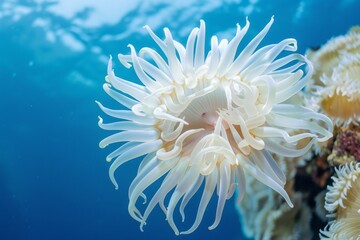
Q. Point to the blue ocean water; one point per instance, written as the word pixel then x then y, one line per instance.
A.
pixel 53 177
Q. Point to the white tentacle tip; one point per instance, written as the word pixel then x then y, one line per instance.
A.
pixel 108 159
pixel 123 61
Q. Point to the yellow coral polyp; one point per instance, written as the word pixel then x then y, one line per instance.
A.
pixel 327 58
pixel 341 106
pixel 339 98
pixel 342 201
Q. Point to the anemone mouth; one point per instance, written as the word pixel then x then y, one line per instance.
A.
pixel 218 113
pixel 202 112
pixel 205 113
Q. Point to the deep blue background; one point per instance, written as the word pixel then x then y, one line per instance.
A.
pixel 53 177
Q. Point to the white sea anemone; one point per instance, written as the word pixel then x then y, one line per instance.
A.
pixel 342 201
pixel 208 117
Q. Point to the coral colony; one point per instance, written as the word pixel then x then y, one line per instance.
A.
pixel 237 119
